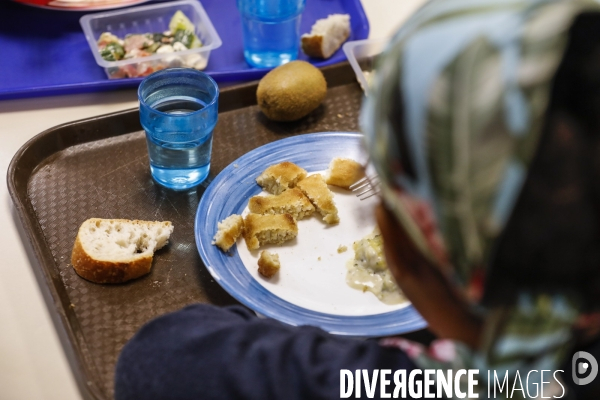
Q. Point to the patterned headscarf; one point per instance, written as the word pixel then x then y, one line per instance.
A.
pixel 452 122
pixel 455 113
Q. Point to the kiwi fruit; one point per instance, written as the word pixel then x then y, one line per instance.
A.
pixel 291 91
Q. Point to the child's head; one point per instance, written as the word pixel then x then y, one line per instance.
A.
pixel 487 145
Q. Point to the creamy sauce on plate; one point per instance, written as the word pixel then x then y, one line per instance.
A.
pixel 368 270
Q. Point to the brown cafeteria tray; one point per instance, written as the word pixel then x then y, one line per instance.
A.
pixel 98 167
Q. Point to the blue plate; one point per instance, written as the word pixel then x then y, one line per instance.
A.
pixel 228 194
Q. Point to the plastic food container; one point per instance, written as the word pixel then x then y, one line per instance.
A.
pixel 362 54
pixel 151 19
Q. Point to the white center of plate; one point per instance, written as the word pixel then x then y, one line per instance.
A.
pixel 313 273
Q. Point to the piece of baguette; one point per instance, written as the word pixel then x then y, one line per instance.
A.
pixel 291 201
pixel 268 229
pixel 343 172
pixel 268 264
pixel 315 188
pixel 326 36
pixel 279 177
pixel 117 250
pixel 228 231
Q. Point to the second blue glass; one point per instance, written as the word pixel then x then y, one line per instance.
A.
pixel 178 111
pixel 271 31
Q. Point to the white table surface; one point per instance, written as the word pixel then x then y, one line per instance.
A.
pixel 32 362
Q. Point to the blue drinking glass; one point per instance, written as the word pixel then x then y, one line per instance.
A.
pixel 271 31
pixel 178 111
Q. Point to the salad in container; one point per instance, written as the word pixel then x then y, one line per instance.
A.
pixel 139 41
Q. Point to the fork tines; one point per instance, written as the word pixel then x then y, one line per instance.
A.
pixel 366 187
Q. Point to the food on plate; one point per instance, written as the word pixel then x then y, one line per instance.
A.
pixel 342 249
pixel 326 36
pixel 291 201
pixel 268 229
pixel 268 264
pixel 315 188
pixel 368 271
pixel 291 91
pixel 228 231
pixel 181 36
pixel 279 177
pixel 343 172
pixel 117 250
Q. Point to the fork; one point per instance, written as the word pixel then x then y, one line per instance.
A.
pixel 366 187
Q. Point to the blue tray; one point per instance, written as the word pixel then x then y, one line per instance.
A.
pixel 44 52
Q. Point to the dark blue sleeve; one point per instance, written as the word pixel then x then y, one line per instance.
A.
pixel 206 352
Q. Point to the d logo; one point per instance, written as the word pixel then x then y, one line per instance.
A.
pixel 582 367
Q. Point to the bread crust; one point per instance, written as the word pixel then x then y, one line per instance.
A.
pixel 326 36
pixel 107 271
pixel 312 46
